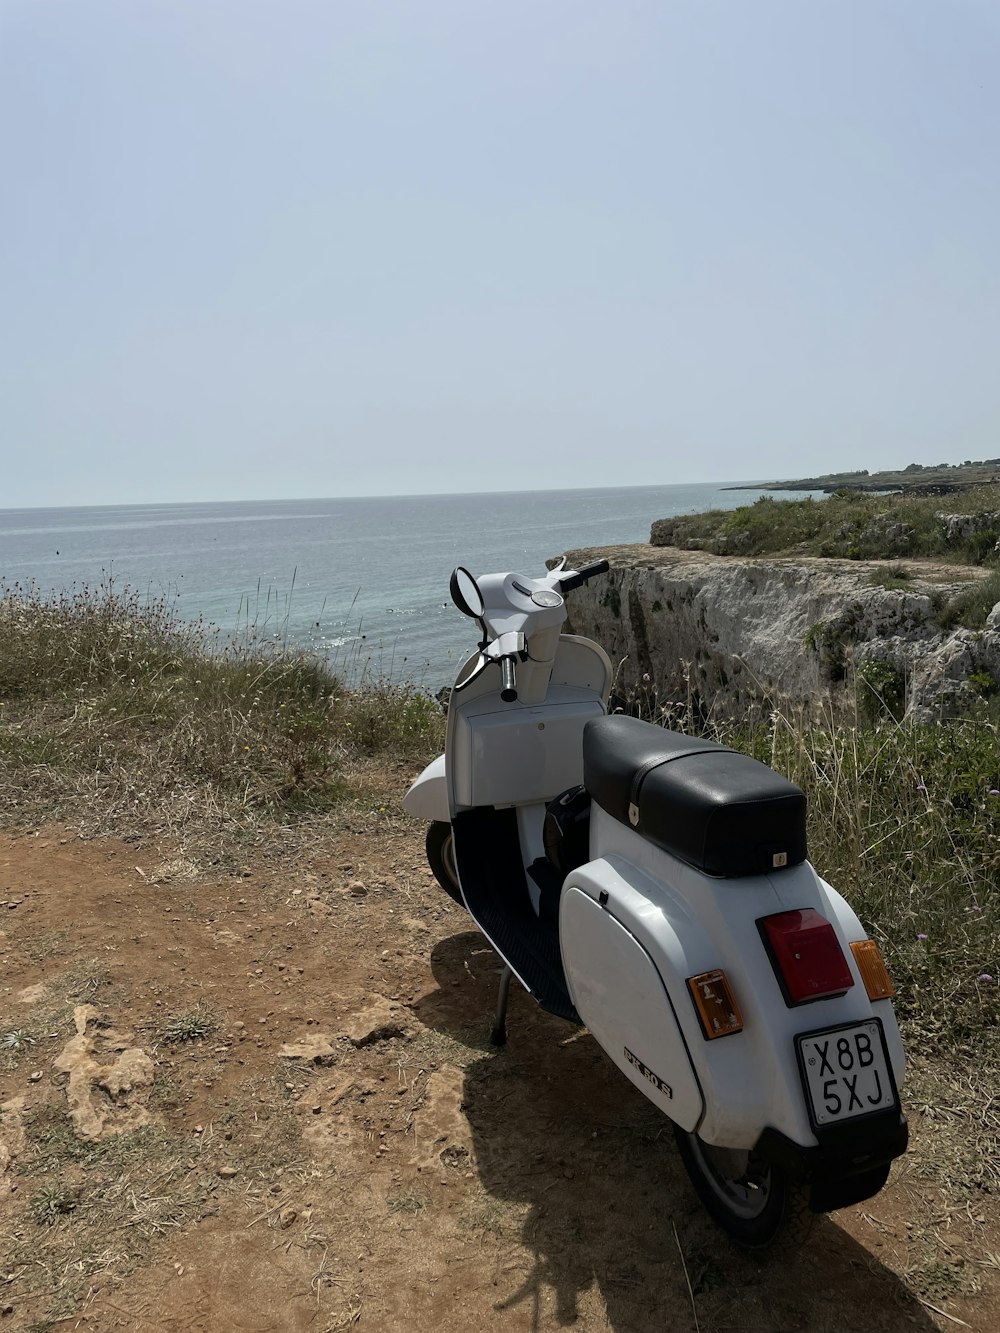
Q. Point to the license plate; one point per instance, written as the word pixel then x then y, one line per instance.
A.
pixel 846 1072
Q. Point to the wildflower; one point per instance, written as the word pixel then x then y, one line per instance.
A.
pixel 921 936
pixel 993 791
pixel 921 787
pixel 985 976
pixel 645 676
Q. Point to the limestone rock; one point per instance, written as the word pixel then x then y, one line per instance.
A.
pixel 125 1078
pixel 699 633
pixel 441 1132
pixel 133 1069
pixel 957 527
pixel 314 1048
pixel 380 1021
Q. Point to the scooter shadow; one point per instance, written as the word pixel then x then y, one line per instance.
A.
pixel 584 1173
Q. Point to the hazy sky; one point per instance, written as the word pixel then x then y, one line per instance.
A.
pixel 346 247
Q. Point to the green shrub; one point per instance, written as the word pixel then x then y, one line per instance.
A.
pixel 832 639
pixel 893 577
pixel 972 605
pixel 847 524
pixel 984 683
pixel 612 599
pixel 881 690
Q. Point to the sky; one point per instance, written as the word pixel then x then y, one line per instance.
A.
pixel 290 248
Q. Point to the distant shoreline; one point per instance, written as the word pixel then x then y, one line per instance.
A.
pixel 914 479
pixel 827 489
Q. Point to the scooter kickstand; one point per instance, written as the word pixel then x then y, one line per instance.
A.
pixel 498 1036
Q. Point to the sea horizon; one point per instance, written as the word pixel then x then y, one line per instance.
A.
pixel 361 581
pixel 753 484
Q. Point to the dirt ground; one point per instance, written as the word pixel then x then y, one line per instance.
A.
pixel 265 1100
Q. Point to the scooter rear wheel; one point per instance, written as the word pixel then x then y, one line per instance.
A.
pixel 441 859
pixel 754 1202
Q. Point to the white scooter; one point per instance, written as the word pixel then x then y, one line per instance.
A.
pixel 654 887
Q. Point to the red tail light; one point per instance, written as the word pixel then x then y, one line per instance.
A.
pixel 806 955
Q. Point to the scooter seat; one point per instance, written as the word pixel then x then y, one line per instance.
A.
pixel 714 808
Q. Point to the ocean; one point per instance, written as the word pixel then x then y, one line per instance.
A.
pixel 362 582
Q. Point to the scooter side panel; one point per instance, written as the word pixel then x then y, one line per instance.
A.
pixel 428 797
pixel 620 996
pixel 750 1079
pixel 736 1074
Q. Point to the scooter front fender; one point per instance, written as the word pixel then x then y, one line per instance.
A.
pixel 428 797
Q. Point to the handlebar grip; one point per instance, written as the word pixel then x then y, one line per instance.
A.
pixel 598 567
pixel 581 576
pixel 508 687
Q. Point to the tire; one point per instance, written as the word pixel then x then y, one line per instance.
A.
pixel 441 859
pixel 754 1202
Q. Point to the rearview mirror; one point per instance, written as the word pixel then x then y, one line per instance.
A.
pixel 465 593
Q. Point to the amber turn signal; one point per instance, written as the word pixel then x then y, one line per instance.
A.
pixel 714 1002
pixel 874 972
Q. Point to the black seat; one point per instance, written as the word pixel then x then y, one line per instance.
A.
pixel 720 811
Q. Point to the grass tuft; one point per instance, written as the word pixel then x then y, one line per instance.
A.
pixel 192 1026
pixel 17 1039
pixel 52 1202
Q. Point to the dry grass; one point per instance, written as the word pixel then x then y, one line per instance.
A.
pixel 905 821
pixel 94 1208
pixel 116 713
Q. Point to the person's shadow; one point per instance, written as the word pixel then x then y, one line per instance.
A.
pixel 557 1127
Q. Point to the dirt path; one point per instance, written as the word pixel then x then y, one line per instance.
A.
pixel 267 1103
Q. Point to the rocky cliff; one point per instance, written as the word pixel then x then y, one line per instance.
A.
pixel 723 634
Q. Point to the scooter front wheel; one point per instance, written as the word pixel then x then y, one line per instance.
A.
pixel 754 1202
pixel 441 859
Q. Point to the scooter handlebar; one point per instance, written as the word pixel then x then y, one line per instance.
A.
pixel 582 575
pixel 508 686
